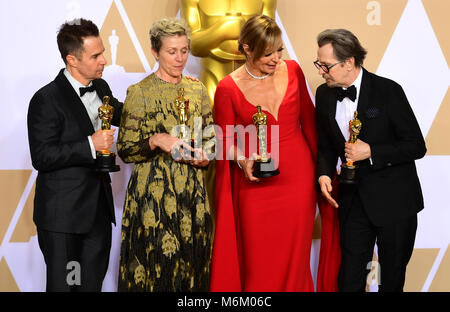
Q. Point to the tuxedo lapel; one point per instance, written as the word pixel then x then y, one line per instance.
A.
pixel 101 92
pixel 73 102
pixel 363 101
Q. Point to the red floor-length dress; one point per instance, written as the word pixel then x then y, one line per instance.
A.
pixel 264 230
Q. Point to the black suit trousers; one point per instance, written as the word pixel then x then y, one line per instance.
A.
pixel 395 244
pixel 78 262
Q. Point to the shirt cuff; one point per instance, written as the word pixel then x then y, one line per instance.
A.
pixel 91 144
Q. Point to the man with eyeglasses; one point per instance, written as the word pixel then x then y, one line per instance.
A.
pixel 382 206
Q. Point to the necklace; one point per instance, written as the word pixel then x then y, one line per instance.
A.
pixel 256 77
pixel 158 75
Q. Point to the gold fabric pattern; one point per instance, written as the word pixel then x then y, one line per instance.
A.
pixel 166 224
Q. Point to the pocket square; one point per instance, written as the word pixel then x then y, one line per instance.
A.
pixel 372 112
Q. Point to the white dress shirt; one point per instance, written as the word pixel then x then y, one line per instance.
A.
pixel 91 102
pixel 345 111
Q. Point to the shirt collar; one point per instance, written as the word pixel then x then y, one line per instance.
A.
pixel 76 85
pixel 357 83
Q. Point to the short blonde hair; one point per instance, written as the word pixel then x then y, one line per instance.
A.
pixel 259 33
pixel 167 27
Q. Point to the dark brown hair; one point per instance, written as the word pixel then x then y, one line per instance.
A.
pixel 71 37
pixel 259 33
pixel 345 45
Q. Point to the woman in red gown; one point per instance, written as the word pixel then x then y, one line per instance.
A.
pixel 264 226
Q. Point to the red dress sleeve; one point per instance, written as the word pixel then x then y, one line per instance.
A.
pixel 225 273
pixel 330 252
pixel 307 114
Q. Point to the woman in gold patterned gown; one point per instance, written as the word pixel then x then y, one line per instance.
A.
pixel 166 223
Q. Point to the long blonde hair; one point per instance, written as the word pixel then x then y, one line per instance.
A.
pixel 259 33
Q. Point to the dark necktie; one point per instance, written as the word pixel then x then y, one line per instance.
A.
pixel 349 93
pixel 83 90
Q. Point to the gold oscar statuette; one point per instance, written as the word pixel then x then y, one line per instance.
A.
pixel 106 160
pixel 264 166
pixel 182 107
pixel 348 169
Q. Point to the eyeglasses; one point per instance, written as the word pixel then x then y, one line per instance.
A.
pixel 326 68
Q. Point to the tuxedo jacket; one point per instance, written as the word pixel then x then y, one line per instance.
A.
pixel 67 187
pixel 389 188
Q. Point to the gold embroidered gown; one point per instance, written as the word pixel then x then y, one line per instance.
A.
pixel 166 223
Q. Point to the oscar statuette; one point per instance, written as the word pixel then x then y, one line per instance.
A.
pixel 106 160
pixel 264 166
pixel 348 169
pixel 182 106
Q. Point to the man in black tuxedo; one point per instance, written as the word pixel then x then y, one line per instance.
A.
pixel 382 207
pixel 73 204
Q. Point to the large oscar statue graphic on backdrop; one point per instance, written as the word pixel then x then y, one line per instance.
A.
pixel 215 32
pixel 215 29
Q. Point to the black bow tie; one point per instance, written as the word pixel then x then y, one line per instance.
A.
pixel 349 93
pixel 83 90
